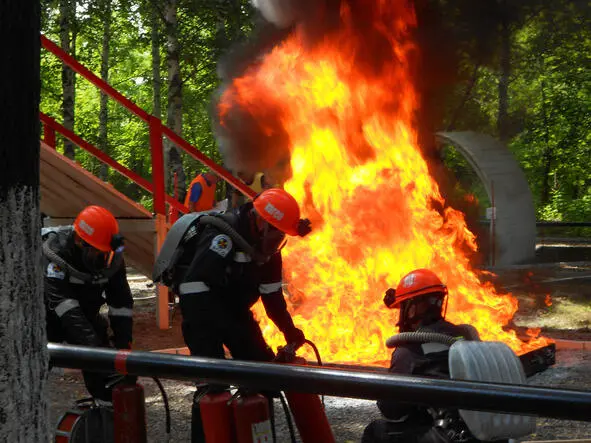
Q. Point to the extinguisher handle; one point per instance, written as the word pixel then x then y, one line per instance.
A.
pixel 287 353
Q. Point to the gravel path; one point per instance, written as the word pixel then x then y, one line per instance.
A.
pixel 348 417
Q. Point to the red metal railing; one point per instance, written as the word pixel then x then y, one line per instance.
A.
pixel 157 131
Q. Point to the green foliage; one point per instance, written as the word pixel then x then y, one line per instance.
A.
pixel 549 91
pixel 549 103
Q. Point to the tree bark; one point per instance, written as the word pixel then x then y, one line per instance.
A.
pixel 175 100
pixel 23 351
pixel 104 105
pixel 68 43
pixel 156 60
pixel 548 157
pixel 503 115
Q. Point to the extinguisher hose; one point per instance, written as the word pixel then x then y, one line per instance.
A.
pixel 166 406
pixel 313 346
pixel 287 417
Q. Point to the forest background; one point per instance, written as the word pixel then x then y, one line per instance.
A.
pixel 519 70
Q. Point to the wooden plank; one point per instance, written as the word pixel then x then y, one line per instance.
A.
pixel 125 224
pixel 66 177
pixel 78 195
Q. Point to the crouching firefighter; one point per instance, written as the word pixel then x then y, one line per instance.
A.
pixel 421 298
pixel 81 262
pixel 220 264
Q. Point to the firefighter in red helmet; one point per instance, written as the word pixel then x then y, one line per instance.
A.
pixel 81 262
pixel 421 298
pixel 229 261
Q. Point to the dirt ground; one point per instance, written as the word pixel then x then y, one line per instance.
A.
pixel 552 297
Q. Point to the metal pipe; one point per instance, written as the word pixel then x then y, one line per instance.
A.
pixel 76 66
pixel 528 400
pixel 157 152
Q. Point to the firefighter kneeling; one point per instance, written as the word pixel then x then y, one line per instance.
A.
pixel 428 345
pixel 81 262
pixel 220 264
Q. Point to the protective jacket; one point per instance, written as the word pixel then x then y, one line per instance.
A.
pixel 73 297
pixel 428 359
pixel 201 195
pixel 220 285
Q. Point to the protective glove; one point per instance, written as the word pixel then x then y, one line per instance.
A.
pixel 295 336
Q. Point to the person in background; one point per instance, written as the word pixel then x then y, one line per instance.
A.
pixel 201 194
pixel 257 182
pixel 421 299
pixel 81 262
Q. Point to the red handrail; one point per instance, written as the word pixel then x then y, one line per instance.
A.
pixel 156 131
pixel 142 182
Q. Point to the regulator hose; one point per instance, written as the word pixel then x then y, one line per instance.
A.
pixel 421 337
pixel 166 406
pixel 84 276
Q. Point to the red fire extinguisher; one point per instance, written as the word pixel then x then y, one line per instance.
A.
pixel 216 414
pixel 307 409
pixel 129 412
pixel 252 419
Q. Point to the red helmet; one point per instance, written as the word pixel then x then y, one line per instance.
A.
pixel 415 283
pixel 278 208
pixel 97 227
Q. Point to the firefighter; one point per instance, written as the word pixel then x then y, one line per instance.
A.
pixel 421 298
pixel 201 194
pixel 80 263
pixel 225 271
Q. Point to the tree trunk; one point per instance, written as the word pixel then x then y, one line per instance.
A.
pixel 548 158
pixel 68 42
pixel 103 140
pixel 503 115
pixel 156 81
pixel 23 351
pixel 175 100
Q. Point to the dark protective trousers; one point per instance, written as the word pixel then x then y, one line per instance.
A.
pixel 95 381
pixel 206 332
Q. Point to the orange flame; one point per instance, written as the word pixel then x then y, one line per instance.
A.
pixel 359 175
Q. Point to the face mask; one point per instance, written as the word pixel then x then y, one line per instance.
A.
pixel 271 240
pixel 95 260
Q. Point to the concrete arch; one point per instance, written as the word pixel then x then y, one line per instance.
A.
pixel 515 223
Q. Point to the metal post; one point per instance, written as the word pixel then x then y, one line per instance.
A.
pixel 512 399
pixel 163 294
pixel 49 135
pixel 162 316
pixel 157 164
pixel 492 224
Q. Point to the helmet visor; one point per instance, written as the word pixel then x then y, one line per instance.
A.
pixel 272 240
pixel 93 259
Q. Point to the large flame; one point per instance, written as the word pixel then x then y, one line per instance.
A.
pixel 359 174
